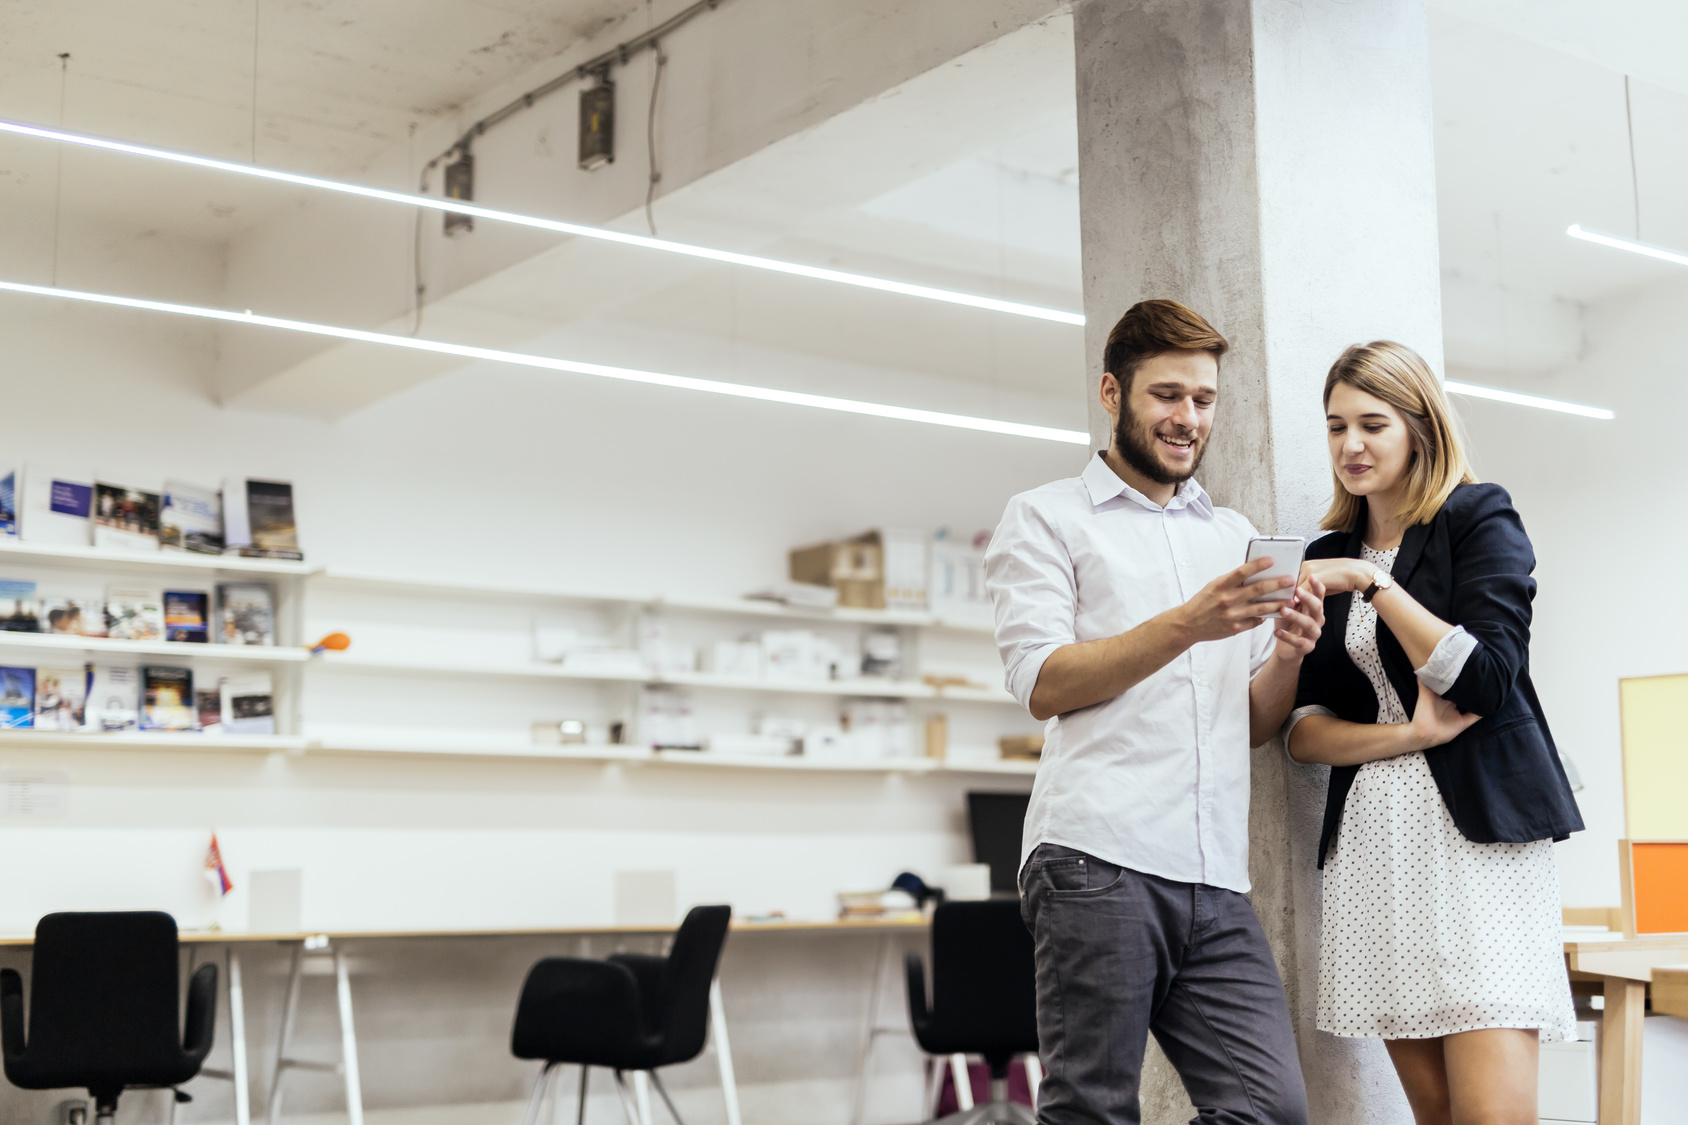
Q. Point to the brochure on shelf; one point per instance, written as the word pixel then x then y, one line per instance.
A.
pixel 191 519
pixel 113 697
pixel 187 616
pixel 20 607
pixel 168 698
pixel 74 613
pixel 56 507
pixel 17 698
pixel 259 520
pixel 125 519
pixel 208 705
pixel 245 614
pixel 134 614
pixel 248 704
pixel 9 504
pixel 61 698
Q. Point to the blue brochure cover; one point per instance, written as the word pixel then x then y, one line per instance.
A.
pixel 17 697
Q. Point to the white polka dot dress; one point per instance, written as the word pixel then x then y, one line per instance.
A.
pixel 1426 933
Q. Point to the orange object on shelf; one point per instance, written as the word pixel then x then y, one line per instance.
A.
pixel 334 642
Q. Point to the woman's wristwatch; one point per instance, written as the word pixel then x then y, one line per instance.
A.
pixel 1380 580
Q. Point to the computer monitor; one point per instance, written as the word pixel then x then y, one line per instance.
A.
pixel 996 821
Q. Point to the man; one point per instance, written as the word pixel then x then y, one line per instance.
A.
pixel 1122 614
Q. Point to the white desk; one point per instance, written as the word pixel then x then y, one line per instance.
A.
pixel 333 943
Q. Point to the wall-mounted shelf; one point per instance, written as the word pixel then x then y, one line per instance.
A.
pixel 148 740
pixel 597 752
pixel 864 686
pixel 85 557
pixel 740 607
pixel 106 646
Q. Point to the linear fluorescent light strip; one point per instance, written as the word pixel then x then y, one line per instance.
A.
pixel 1517 399
pixel 1575 230
pixel 458 207
pixel 602 371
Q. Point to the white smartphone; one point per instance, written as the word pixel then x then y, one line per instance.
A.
pixel 1285 552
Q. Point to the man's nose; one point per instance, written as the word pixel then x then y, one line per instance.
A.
pixel 1185 414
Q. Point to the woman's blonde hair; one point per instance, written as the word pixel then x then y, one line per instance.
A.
pixel 1399 376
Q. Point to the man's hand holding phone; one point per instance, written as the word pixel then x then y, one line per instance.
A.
pixel 1227 606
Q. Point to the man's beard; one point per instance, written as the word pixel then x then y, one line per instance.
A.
pixel 1137 446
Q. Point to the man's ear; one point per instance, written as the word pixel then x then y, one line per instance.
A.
pixel 1109 393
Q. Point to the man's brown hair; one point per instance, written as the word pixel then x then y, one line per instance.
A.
pixel 1151 328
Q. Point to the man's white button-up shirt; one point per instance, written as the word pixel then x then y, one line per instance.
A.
pixel 1155 779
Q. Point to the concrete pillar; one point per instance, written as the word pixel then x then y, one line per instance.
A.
pixel 1269 163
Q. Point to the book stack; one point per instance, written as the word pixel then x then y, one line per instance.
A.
pixel 251 518
pixel 862 906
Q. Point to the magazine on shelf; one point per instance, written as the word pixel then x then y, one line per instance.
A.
pixel 187 616
pixel 168 698
pixel 20 607
pixel 17 698
pixel 73 613
pixel 249 704
pixel 134 614
pixel 61 698
pixel 9 505
pixel 275 530
pixel 55 507
pixel 245 614
pixel 113 697
pixel 208 704
pixel 191 518
pixel 125 519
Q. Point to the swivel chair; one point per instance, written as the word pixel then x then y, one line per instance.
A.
pixel 630 1012
pixel 103 1004
pixel 984 998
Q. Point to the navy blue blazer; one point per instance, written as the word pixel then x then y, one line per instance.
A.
pixel 1470 565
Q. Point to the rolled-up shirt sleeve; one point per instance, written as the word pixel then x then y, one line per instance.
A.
pixel 1447 660
pixel 1033 591
pixel 1300 713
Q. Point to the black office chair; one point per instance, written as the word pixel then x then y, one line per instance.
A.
pixel 632 1011
pixel 103 1004
pixel 984 998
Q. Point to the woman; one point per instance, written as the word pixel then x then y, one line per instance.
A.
pixel 1441 902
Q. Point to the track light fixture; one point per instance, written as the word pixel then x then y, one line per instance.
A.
pixel 579 230
pixel 547 363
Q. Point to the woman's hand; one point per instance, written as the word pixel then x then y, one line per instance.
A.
pixel 1436 721
pixel 1300 621
pixel 1340 576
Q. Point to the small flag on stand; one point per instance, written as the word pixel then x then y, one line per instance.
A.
pixel 215 873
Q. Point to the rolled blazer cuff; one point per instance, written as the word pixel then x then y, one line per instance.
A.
pixel 1447 660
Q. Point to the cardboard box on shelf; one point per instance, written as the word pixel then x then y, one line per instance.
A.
pixel 880 569
pixel 1026 747
pixel 937 736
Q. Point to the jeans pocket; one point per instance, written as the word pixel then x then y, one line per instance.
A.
pixel 1066 872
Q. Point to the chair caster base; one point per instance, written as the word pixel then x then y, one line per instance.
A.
pixel 991 1113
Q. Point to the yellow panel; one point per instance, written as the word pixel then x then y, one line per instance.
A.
pixel 1655 734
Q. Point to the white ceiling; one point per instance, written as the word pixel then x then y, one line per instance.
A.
pixel 1530 136
pixel 338 86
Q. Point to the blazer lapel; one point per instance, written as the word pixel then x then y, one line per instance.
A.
pixel 1412 550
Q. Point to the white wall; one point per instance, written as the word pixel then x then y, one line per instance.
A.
pixel 1602 504
pixel 496 475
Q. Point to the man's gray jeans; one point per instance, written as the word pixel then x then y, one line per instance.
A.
pixel 1121 954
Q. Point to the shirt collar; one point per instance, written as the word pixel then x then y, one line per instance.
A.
pixel 1104 484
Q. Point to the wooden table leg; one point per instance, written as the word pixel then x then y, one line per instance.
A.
pixel 1620 1051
